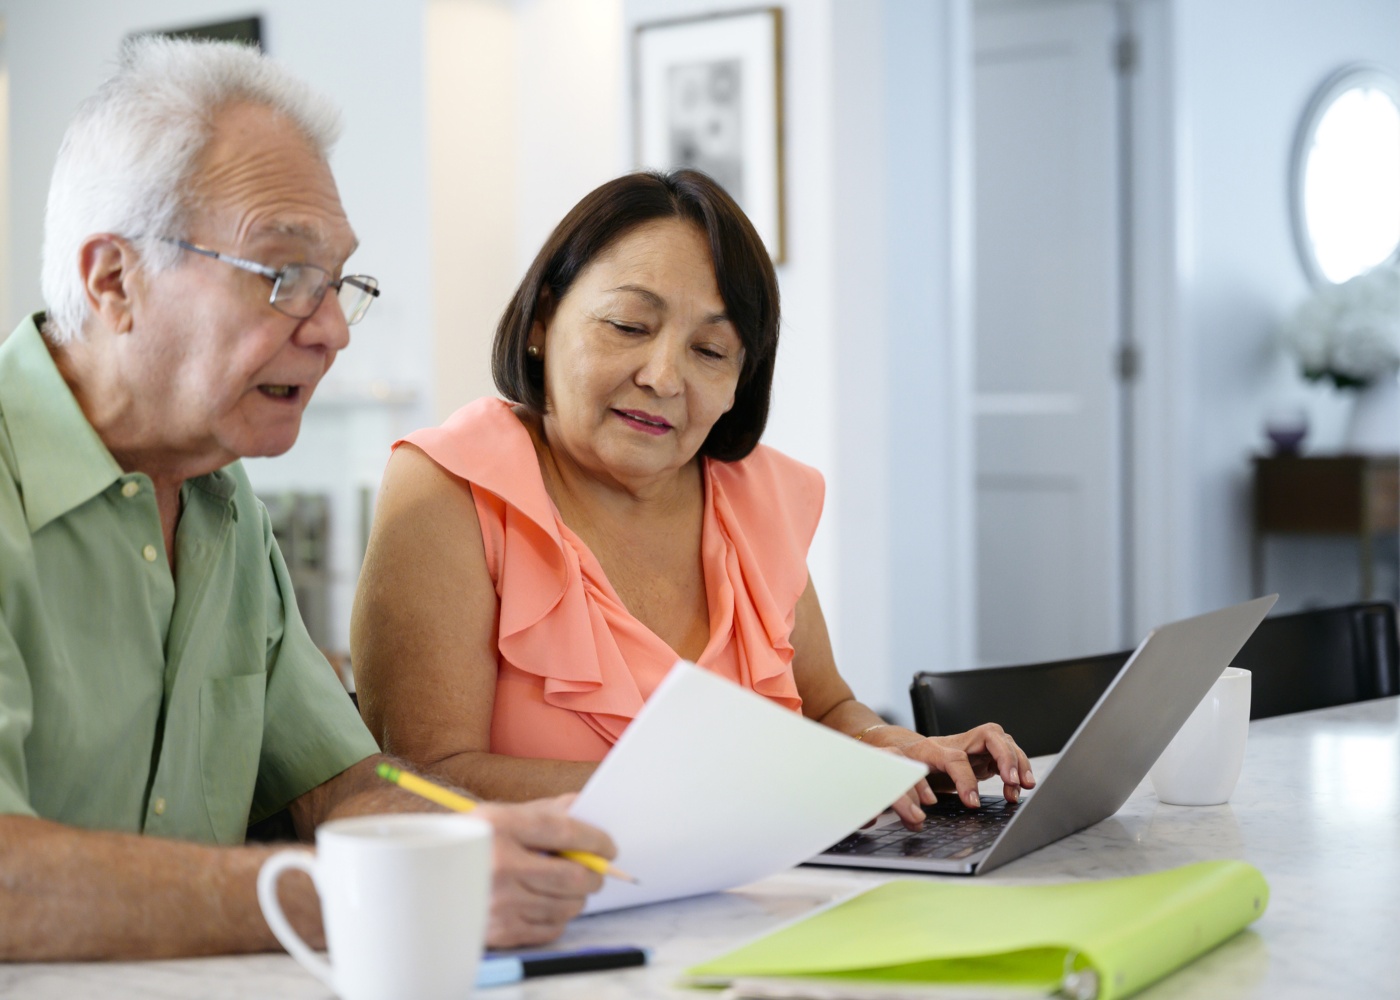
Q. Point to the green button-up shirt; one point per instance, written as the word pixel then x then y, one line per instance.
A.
pixel 130 699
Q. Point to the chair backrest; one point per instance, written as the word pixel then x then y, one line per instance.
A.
pixel 1300 661
pixel 1328 656
pixel 1039 704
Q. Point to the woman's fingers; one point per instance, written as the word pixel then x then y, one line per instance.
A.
pixel 959 769
pixel 907 808
pixel 1013 766
pixel 1027 778
pixel 1008 761
pixel 925 793
pixel 961 761
pixel 949 761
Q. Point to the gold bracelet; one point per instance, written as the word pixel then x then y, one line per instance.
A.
pixel 870 729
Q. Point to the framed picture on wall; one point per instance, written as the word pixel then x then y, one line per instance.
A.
pixel 707 94
pixel 247 30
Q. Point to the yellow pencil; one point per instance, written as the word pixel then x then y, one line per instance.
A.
pixel 460 803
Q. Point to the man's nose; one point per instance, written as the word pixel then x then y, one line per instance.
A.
pixel 326 327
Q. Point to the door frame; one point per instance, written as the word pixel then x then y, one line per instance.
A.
pixel 1157 465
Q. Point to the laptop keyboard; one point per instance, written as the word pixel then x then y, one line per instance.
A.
pixel 952 832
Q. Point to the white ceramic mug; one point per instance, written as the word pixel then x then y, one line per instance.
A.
pixel 404 901
pixel 1202 763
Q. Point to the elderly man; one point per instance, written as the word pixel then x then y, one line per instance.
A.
pixel 158 690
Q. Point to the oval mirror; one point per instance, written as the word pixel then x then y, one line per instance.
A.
pixel 1346 176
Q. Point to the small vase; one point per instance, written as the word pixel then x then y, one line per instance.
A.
pixel 1374 428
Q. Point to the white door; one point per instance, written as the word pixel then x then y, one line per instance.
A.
pixel 1047 400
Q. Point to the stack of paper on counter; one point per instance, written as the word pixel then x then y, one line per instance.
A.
pixel 713 786
pixel 1101 940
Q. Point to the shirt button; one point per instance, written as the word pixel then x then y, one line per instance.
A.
pixel 130 489
pixel 149 553
pixel 158 807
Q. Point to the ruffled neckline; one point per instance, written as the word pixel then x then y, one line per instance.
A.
pixel 553 592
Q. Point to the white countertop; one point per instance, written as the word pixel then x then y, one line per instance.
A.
pixel 1317 810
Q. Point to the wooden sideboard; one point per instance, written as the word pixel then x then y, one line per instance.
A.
pixel 1356 495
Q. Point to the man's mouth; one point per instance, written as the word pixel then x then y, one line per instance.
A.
pixel 284 392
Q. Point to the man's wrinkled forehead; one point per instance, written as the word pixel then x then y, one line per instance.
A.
pixel 306 234
pixel 260 180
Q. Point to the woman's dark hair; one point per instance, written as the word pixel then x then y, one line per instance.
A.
pixel 743 272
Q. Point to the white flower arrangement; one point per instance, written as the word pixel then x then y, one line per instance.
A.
pixel 1350 333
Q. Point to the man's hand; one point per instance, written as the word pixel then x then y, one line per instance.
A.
pixel 535 894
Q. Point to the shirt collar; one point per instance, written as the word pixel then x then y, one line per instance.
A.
pixel 62 463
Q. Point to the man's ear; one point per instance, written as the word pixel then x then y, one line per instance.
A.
pixel 108 265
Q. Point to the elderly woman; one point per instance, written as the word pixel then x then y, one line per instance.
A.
pixel 538 565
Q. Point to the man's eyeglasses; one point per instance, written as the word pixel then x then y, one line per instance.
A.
pixel 297 289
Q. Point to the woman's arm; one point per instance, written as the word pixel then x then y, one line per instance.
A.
pixel 423 639
pixel 954 762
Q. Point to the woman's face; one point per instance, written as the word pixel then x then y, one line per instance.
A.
pixel 639 357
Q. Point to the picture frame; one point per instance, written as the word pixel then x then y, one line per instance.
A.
pixel 246 30
pixel 708 94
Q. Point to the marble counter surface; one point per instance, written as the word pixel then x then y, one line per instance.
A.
pixel 1317 810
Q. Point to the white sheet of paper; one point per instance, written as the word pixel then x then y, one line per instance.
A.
pixel 713 786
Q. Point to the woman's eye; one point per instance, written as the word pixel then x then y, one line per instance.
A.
pixel 711 353
pixel 627 328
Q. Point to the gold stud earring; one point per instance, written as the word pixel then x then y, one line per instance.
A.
pixel 533 351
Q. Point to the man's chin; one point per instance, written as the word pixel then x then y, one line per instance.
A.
pixel 271 443
pixel 269 428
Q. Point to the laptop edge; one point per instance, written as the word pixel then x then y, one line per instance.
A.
pixel 1116 744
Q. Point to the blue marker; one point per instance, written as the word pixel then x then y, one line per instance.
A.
pixel 497 970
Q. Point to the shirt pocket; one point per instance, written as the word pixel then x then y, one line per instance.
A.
pixel 230 747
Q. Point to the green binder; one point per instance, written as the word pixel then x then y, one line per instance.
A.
pixel 1104 940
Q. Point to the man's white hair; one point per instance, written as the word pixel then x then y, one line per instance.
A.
pixel 128 159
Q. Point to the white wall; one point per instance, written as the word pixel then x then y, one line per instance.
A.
pixel 873 357
pixel 473 114
pixel 1244 73
pixel 525 103
pixel 573 133
pixel 927 67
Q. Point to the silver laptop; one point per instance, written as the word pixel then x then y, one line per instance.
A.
pixel 1108 755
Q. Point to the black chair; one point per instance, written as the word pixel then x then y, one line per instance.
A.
pixel 1301 661
pixel 1040 704
pixel 1320 658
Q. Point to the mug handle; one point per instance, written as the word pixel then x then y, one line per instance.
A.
pixel 268 876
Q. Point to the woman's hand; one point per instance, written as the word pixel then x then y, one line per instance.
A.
pixel 955 763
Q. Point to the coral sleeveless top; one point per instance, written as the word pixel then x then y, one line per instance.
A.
pixel 574 665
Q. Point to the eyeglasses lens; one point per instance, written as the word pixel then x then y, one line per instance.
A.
pixel 356 293
pixel 299 290
pixel 302 287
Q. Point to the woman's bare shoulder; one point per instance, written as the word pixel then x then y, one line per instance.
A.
pixel 413 477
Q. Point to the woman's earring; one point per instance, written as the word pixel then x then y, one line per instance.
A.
pixel 533 351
